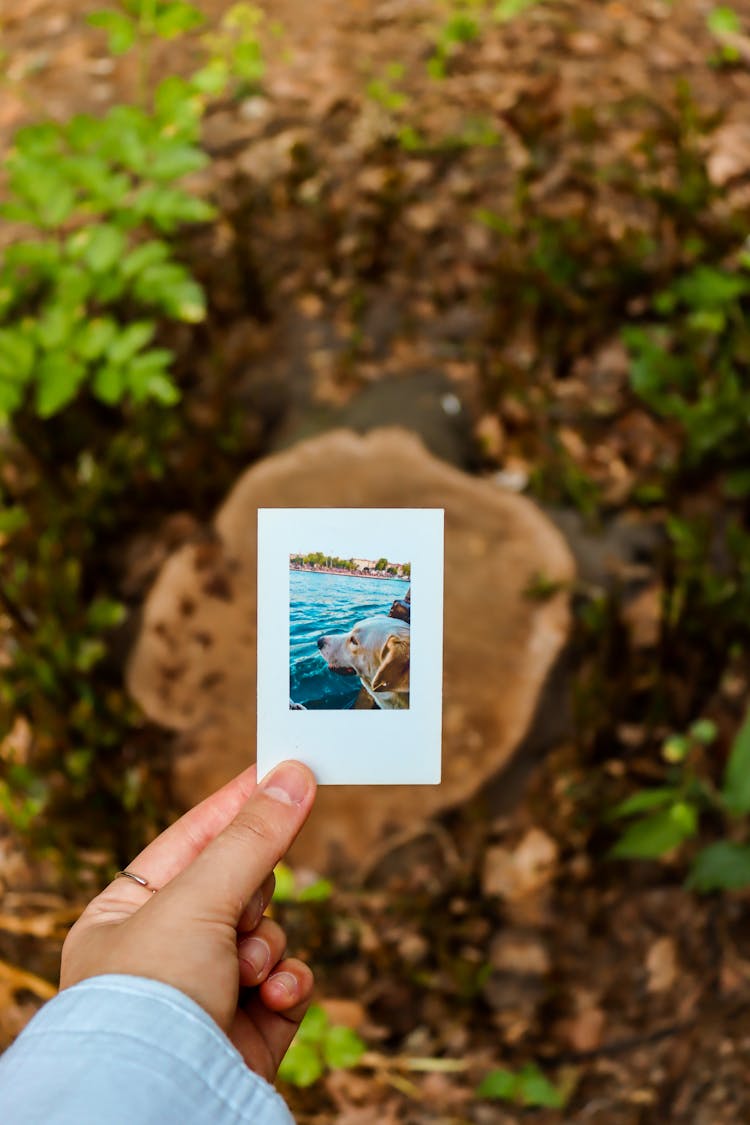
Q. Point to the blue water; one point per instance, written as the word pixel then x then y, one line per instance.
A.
pixel 329 603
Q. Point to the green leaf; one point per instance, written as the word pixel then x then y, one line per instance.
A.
pixel 723 21
pixel 736 788
pixel 73 285
pixel 499 1085
pixel 314 1025
pixel 723 866
pixel 212 78
pixel 536 1090
pixel 83 132
pixel 130 341
pixel 654 836
pixel 247 62
pixel 319 891
pixel 737 483
pixel 704 731
pixel 178 106
pixel 55 327
pixel 17 355
pixel 676 748
pixel 706 287
pixel 302 1065
pixel 169 207
pixel 146 377
pixel 126 132
pixel 12 519
pixel 95 337
pixel 177 17
pixel 342 1048
pixel 508 9
pixel 121 30
pixel 106 188
pixel 170 287
pixel 461 27
pixel 19 213
pixel 147 254
pixel 105 244
pixel 643 801
pixel 285 889
pixel 37 257
pixel 162 389
pixel 58 378
pixel 40 182
pixel 109 384
pixel 105 613
pixel 42 140
pixel 170 162
pixel 89 652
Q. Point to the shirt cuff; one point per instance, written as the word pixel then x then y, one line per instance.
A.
pixel 127 1049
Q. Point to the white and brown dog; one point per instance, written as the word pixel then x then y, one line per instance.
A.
pixel 377 650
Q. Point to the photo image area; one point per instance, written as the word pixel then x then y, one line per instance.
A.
pixel 350 629
pixel 349 632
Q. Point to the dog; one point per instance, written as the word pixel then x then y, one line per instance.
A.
pixel 377 650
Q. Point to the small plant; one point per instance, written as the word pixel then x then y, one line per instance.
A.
pixel 101 199
pixel 527 1087
pixel 508 9
pixel 89 286
pixel 101 202
pixel 673 811
pixel 725 26
pixel 288 890
pixel 320 1046
pixel 688 366
pixel 463 24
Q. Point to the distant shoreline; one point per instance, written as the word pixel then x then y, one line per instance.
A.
pixel 349 573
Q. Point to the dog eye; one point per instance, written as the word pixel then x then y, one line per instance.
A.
pixel 353 640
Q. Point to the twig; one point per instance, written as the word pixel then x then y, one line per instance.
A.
pixel 375 1061
pixel 54 924
pixel 20 978
pixel 633 1042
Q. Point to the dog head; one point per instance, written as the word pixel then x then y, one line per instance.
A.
pixel 376 649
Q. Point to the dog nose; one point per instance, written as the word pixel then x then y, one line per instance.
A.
pixel 321 642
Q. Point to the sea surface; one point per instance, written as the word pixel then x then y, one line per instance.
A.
pixel 330 603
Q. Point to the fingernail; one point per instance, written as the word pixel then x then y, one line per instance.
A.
pixel 287 982
pixel 288 783
pixel 253 912
pixel 255 952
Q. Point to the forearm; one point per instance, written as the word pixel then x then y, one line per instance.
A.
pixel 130 1051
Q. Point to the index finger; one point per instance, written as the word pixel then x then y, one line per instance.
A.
pixel 223 878
pixel 177 847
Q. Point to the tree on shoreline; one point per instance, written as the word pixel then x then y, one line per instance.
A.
pixel 332 562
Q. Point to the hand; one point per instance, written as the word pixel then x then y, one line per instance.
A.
pixel 204 931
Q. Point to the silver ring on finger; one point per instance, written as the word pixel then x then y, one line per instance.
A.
pixel 136 879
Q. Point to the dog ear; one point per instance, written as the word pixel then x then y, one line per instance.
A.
pixel 393 673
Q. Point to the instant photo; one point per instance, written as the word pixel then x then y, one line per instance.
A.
pixel 350 606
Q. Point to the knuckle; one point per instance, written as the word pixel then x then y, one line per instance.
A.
pixel 250 828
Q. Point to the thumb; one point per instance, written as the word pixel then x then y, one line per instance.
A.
pixel 224 877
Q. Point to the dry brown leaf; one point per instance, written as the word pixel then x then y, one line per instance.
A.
pixel 642 617
pixel 662 965
pixel 348 1013
pixel 527 868
pixel 729 152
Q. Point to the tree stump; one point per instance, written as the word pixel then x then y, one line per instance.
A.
pixel 507 576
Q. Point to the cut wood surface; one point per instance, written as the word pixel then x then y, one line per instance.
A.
pixel 193 666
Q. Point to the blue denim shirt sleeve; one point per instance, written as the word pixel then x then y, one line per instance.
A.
pixel 123 1050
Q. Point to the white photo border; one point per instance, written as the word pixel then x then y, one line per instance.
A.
pixel 398 747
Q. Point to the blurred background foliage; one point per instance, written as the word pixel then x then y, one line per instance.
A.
pixel 592 294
